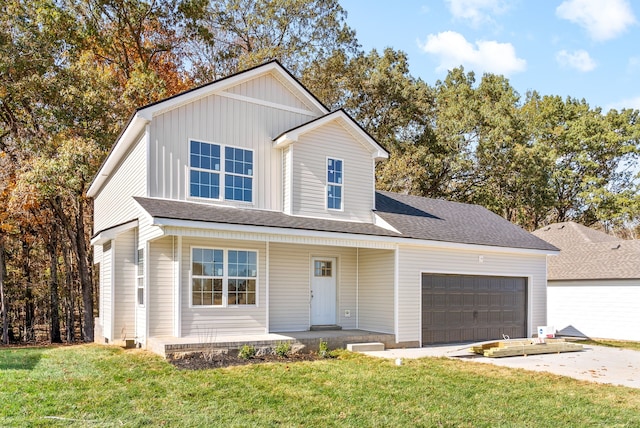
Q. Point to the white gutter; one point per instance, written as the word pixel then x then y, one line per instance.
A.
pixel 391 240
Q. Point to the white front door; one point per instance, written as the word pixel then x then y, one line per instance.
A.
pixel 323 290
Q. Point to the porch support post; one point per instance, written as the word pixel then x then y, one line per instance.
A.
pixel 266 287
pixel 396 285
pixel 177 279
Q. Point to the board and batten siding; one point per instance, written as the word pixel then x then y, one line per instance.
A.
pixel 225 121
pixel 607 309
pixel 415 260
pixel 376 290
pixel 208 322
pixel 124 284
pixel 106 286
pixel 268 88
pixel 286 179
pixel 309 174
pixel 160 288
pixel 114 204
pixel 290 282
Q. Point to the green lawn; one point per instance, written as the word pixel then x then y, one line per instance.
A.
pixel 93 385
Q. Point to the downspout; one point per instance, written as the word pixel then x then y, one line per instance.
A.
pixel 357 287
pixel 266 285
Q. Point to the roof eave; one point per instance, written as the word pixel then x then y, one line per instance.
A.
pixel 293 135
pixel 128 137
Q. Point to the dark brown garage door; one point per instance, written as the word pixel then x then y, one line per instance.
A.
pixel 465 308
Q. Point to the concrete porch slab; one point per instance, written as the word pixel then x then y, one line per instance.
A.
pixel 306 341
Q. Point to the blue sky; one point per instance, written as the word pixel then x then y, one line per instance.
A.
pixel 580 48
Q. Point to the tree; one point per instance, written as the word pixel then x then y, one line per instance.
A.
pixel 589 150
pixel 231 35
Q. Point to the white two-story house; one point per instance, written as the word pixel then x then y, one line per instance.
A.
pixel 244 207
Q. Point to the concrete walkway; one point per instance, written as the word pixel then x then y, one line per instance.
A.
pixel 596 363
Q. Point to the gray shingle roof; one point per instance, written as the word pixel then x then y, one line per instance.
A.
pixel 589 254
pixel 440 220
pixel 180 210
pixel 414 217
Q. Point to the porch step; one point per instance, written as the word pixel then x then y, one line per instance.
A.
pixel 365 347
pixel 327 327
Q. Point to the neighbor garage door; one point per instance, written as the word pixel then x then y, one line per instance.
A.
pixel 465 308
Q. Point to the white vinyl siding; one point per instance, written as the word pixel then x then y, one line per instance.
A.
pixel 376 291
pixel 267 88
pixel 106 287
pixel 289 285
pixel 127 180
pixel 124 285
pixel 608 308
pixel 220 321
pixel 227 122
pixel 286 179
pixel 415 260
pixel 160 289
pixel 309 174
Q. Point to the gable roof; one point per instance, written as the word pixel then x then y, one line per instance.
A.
pixel 340 116
pixel 440 220
pixel 589 254
pixel 143 115
pixel 412 217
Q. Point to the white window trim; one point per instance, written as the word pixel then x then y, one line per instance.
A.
pixel 222 173
pixel 225 277
pixel 327 184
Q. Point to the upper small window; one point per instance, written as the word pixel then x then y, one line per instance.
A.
pixel 334 184
pixel 205 179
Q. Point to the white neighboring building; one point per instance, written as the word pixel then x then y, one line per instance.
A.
pixel 594 283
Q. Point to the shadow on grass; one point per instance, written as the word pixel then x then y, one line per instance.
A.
pixel 20 358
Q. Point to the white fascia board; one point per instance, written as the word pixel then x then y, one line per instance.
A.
pixel 128 138
pixel 161 222
pixel 112 233
pixel 228 82
pixel 292 136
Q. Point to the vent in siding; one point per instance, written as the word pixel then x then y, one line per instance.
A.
pixel 106 246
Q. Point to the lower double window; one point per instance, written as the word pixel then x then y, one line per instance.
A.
pixel 221 277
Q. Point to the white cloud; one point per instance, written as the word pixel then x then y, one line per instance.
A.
pixel 580 60
pixel 476 11
pixel 633 103
pixel 603 20
pixel 453 50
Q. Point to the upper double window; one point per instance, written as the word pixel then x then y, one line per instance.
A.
pixel 207 175
pixel 334 184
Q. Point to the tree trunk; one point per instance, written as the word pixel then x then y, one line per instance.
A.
pixel 29 308
pixel 68 298
pixel 54 301
pixel 74 229
pixel 4 305
pixel 85 274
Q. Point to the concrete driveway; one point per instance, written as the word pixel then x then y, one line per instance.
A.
pixel 595 363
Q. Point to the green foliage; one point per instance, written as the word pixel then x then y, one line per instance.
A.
pixel 283 349
pixel 323 348
pixel 95 385
pixel 247 352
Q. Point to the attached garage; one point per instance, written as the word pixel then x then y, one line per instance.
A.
pixel 472 308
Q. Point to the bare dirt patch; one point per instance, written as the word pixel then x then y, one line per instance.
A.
pixel 213 360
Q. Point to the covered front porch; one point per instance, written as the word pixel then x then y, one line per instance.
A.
pixel 304 341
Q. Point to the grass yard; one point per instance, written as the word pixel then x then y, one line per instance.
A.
pixel 99 386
